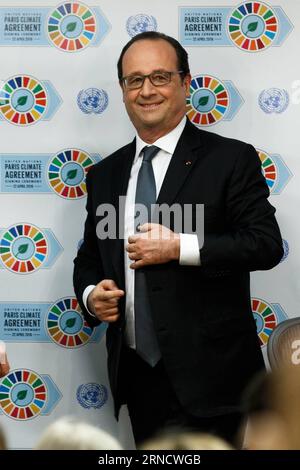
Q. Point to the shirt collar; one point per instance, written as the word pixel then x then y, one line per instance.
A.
pixel 167 142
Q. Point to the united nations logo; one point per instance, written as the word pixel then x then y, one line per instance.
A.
pixel 274 100
pixel 269 169
pixel 23 394
pixel 266 319
pixel 92 100
pixel 253 26
pixel 23 248
pixel 140 23
pixel 23 100
pixel 71 26
pixel 67 172
pixel 208 100
pixel 92 395
pixel 286 250
pixel 65 324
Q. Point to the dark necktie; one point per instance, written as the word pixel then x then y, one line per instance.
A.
pixel 146 341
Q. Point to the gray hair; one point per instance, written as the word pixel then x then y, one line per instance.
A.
pixel 71 434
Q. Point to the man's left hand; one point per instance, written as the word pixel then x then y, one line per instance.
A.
pixel 155 244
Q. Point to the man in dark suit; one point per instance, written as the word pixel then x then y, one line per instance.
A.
pixel 181 341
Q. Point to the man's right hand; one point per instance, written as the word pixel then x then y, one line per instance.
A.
pixel 103 301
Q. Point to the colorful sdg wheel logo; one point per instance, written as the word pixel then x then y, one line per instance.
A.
pixel 23 248
pixel 208 101
pixel 253 26
pixel 265 318
pixel 269 169
pixel 65 324
pixel 67 172
pixel 23 100
pixel 23 394
pixel 71 26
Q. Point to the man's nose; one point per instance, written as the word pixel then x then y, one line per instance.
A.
pixel 148 88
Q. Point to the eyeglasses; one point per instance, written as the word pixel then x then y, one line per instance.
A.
pixel 159 78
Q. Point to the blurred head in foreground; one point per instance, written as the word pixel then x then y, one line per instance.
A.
pixel 71 434
pixel 185 441
pixel 273 404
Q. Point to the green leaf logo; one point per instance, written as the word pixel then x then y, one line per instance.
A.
pixel 22 249
pixel 70 322
pixel 71 27
pixel 22 394
pixel 252 27
pixel 22 101
pixel 71 175
pixel 203 101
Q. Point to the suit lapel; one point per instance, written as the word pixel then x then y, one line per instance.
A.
pixel 121 171
pixel 182 163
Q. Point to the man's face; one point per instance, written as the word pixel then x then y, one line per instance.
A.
pixel 158 108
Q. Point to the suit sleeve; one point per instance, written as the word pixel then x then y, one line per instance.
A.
pixel 252 239
pixel 87 264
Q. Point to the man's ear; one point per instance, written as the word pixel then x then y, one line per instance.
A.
pixel 187 83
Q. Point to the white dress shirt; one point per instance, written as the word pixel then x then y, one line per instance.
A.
pixel 189 246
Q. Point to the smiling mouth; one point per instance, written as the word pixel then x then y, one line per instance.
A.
pixel 150 106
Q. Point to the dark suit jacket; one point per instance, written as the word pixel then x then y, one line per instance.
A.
pixel 202 315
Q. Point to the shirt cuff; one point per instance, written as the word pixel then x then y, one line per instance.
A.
pixel 85 295
pixel 189 250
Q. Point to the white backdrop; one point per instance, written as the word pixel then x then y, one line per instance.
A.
pixel 260 105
